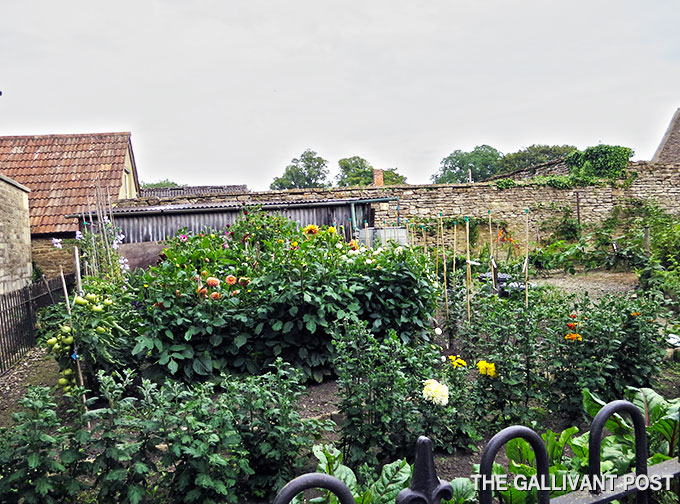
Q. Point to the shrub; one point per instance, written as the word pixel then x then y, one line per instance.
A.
pixel 102 327
pixel 603 161
pixel 544 355
pixel 219 303
pixel 386 400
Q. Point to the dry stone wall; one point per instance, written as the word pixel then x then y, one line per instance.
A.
pixel 420 203
pixel 48 259
pixel 15 237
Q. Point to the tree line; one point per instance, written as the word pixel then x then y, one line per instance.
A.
pixel 311 170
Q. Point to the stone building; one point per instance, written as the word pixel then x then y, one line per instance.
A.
pixel 668 150
pixel 15 237
pixel 63 173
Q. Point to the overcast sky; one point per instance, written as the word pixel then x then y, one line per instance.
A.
pixel 228 92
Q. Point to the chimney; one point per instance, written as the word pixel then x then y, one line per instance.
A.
pixel 378 179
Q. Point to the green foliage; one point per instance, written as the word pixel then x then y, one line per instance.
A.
pixel 272 431
pixel 381 389
pixel 602 161
pixel 102 328
pixel 505 183
pixel 483 161
pixel 33 468
pixel 309 170
pixel 289 287
pixel 546 354
pixel 384 489
pixel 160 184
pixel 171 443
pixel 356 171
pixel 533 155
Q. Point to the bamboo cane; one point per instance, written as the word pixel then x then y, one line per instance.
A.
pixel 469 268
pixel 407 240
pixel 455 250
pixel 424 239
pixel 446 290
pixel 492 264
pixel 437 248
pixel 75 345
pixel 526 265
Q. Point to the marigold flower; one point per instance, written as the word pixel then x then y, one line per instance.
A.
pixel 212 282
pixel 573 337
pixel 311 229
pixel 487 368
pixel 294 244
pixel 571 325
pixel 436 392
pixel 331 230
pixel 635 314
pixel 216 296
pixel 353 245
pixel 231 280
pixel 572 315
pixel 456 361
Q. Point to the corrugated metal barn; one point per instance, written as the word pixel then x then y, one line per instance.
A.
pixel 157 223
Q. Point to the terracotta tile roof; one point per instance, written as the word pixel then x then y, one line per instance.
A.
pixel 61 171
pixel 668 150
pixel 171 192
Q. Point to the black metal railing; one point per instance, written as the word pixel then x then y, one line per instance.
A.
pixel 427 488
pixel 17 317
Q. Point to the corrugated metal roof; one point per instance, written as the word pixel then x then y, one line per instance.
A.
pixel 62 171
pixel 173 192
pixel 233 205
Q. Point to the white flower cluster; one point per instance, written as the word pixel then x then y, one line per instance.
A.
pixel 436 392
pixel 56 242
pixel 118 240
pixel 123 263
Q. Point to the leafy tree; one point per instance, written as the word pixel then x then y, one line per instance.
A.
pixel 356 171
pixel 483 161
pixel 160 184
pixel 309 170
pixel 534 155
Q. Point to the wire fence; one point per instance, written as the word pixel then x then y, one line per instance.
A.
pixel 18 315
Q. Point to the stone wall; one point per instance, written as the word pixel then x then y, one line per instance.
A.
pixel 48 259
pixel 15 237
pixel 420 203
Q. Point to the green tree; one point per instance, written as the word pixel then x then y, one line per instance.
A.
pixel 534 155
pixel 483 161
pixel 159 185
pixel 309 170
pixel 356 171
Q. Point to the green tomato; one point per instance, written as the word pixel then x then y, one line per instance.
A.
pixel 52 341
pixel 91 297
pixel 98 308
pixel 81 301
pixel 68 340
pixel 108 302
pixel 63 382
pixel 67 372
pixel 65 329
pixel 101 330
pixel 67 389
pixel 56 348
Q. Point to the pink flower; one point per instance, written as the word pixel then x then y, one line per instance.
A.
pixel 231 280
pixel 212 282
pixel 184 238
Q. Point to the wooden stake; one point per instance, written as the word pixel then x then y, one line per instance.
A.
pixel 492 263
pixel 455 250
pixel 407 238
pixel 437 247
pixel 526 266
pixel 424 240
pixel 75 345
pixel 79 280
pixel 469 268
pixel 446 290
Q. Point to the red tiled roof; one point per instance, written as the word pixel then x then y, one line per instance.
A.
pixel 62 172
